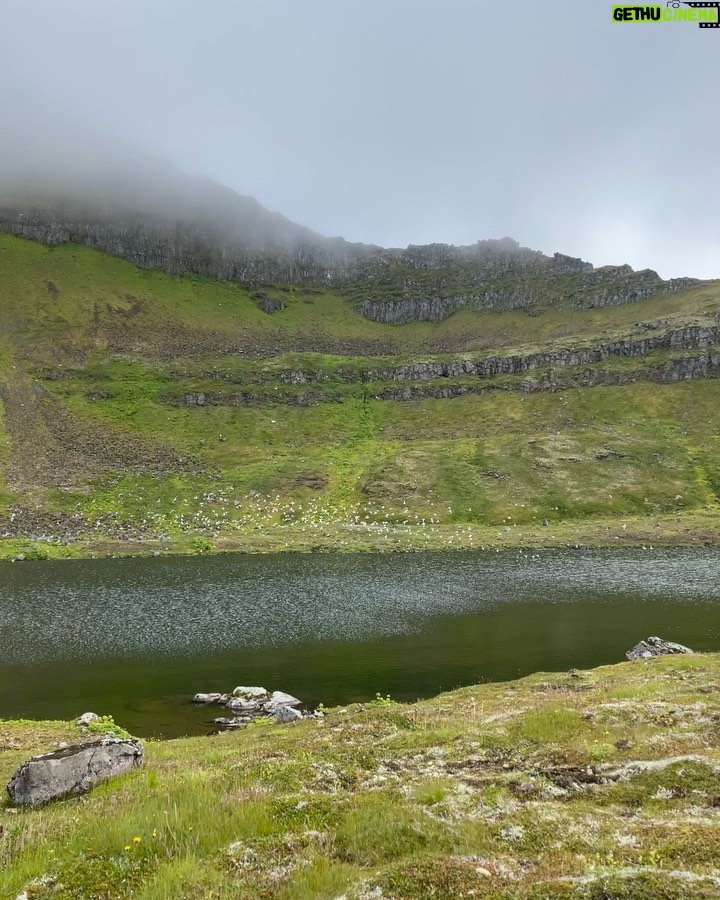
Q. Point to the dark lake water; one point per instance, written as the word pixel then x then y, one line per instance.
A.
pixel 136 638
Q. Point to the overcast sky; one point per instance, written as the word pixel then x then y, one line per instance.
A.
pixel 406 121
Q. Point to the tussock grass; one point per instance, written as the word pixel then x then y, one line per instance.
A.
pixel 468 798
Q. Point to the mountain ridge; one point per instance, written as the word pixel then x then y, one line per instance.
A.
pixel 183 370
pixel 164 219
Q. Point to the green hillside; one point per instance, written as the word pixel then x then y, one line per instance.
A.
pixel 145 412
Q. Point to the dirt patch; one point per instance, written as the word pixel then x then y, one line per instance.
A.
pixel 53 448
pixel 311 480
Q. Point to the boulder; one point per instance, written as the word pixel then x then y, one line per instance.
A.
pixel 73 770
pixel 286 714
pixel 278 699
pixel 207 698
pixel 241 705
pixel 655 646
pixel 236 722
pixel 87 718
pixel 250 693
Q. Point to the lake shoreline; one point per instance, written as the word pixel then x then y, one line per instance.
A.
pixel 488 789
pixel 692 529
pixel 332 628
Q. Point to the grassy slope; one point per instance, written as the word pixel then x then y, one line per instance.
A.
pixel 530 789
pixel 101 350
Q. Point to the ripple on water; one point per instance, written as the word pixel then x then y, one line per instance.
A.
pixel 163 607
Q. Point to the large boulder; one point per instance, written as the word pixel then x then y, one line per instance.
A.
pixel 655 646
pixel 241 705
pixel 278 699
pixel 286 714
pixel 73 770
pixel 251 693
pixel 209 698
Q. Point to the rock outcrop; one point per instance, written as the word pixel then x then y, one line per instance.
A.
pixel 655 646
pixel 556 369
pixel 185 225
pixel 689 338
pixel 73 770
pixel 248 703
pixel 615 285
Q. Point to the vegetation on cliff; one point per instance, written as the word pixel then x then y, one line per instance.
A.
pixel 152 413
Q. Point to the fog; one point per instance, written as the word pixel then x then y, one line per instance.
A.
pixel 389 122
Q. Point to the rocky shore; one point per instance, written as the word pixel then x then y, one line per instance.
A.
pixel 250 703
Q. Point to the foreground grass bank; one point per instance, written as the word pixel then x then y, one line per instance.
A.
pixel 592 784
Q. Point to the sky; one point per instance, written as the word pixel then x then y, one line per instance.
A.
pixel 402 121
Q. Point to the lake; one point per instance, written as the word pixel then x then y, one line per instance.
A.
pixel 136 638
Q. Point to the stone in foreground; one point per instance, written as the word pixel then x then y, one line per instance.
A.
pixel 655 646
pixel 286 714
pixel 73 770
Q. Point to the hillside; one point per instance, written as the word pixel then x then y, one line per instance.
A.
pixel 94 192
pixel 586 785
pixel 143 411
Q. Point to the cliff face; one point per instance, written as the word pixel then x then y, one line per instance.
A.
pixel 183 225
pixel 690 368
pixel 550 281
pixel 241 241
pixel 235 251
pixel 689 338
pixel 558 369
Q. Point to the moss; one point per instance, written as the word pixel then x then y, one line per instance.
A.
pixel 506 807
pixel 695 782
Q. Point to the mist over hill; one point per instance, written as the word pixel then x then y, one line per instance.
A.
pixel 69 183
pixel 179 364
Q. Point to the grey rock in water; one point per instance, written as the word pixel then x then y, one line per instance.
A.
pixel 235 722
pixel 208 698
pixel 73 770
pixel 278 699
pixel 655 646
pixel 286 714
pixel 87 718
pixel 248 703
pixel 251 693
pixel 241 705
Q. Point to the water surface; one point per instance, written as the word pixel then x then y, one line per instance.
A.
pixel 136 638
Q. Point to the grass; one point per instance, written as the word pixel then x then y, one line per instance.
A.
pixel 498 789
pixel 296 449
